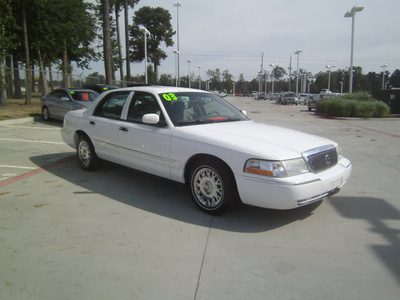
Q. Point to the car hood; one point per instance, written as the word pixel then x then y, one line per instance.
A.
pixel 256 139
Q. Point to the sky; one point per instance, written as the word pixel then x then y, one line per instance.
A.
pixel 233 34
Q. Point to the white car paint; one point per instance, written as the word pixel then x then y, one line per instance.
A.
pixel 165 151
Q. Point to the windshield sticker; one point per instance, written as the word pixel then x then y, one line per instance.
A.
pixel 72 92
pixel 170 97
pixel 85 96
pixel 218 119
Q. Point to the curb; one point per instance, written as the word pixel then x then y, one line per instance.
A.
pixel 17 121
pixel 393 117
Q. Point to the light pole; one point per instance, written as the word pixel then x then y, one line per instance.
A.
pixel 177 5
pixel 351 14
pixel 233 85
pixel 176 76
pixel 189 61
pixel 146 32
pixel 273 77
pixel 341 87
pixel 329 76
pixel 297 73
pixel 383 76
pixel 199 78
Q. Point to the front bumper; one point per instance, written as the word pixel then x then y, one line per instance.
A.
pixel 292 192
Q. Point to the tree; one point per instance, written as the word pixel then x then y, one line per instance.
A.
pixel 394 79
pixel 8 41
pixel 108 60
pixel 158 22
pixel 127 4
pixel 215 79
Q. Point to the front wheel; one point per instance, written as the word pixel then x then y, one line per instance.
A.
pixel 212 186
pixel 86 155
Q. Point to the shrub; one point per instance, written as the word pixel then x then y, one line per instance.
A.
pixel 361 105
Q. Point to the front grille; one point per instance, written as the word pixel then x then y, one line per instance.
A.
pixel 320 159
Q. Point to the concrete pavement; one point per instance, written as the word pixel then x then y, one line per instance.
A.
pixel 118 233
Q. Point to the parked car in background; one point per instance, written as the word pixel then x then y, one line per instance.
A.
pixel 304 97
pixel 261 95
pixel 60 101
pixel 289 98
pixel 199 139
pixel 220 93
pixel 312 103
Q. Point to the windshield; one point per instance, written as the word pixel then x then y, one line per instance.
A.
pixel 199 108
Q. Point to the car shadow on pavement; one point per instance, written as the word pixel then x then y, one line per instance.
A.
pixel 380 216
pixel 163 197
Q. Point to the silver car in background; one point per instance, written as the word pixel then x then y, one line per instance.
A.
pixel 60 101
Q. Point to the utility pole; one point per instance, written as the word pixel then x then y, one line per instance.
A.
pixel 290 73
pixel 261 74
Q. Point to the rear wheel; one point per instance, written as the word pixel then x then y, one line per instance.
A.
pixel 86 155
pixel 212 186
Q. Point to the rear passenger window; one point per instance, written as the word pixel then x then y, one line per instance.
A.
pixel 111 106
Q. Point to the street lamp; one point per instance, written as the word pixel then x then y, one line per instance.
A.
pixel 199 78
pixel 273 77
pixel 329 76
pixel 177 5
pixel 351 14
pixel 297 75
pixel 383 76
pixel 146 32
pixel 189 61
pixel 176 76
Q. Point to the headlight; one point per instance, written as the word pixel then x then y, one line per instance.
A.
pixel 284 168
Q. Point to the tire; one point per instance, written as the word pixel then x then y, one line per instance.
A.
pixel 86 154
pixel 46 114
pixel 212 186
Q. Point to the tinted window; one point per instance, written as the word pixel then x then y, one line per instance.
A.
pixel 59 94
pixel 141 104
pixel 111 106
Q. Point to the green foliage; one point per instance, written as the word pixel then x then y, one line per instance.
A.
pixel 360 105
pixel 158 22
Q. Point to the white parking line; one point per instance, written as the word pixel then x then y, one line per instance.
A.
pixel 31 141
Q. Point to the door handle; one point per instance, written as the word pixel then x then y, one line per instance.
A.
pixel 124 129
pixel 92 123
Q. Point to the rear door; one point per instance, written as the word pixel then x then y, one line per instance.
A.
pixel 104 125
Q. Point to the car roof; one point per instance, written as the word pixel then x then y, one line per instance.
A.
pixel 161 89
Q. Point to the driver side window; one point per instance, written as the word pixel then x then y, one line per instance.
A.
pixel 141 104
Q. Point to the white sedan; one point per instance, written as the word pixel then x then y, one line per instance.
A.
pixel 197 138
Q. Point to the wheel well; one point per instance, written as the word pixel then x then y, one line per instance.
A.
pixel 199 157
pixel 80 133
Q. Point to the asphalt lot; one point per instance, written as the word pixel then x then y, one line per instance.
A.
pixel 120 234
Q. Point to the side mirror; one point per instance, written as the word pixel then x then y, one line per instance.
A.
pixel 150 119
